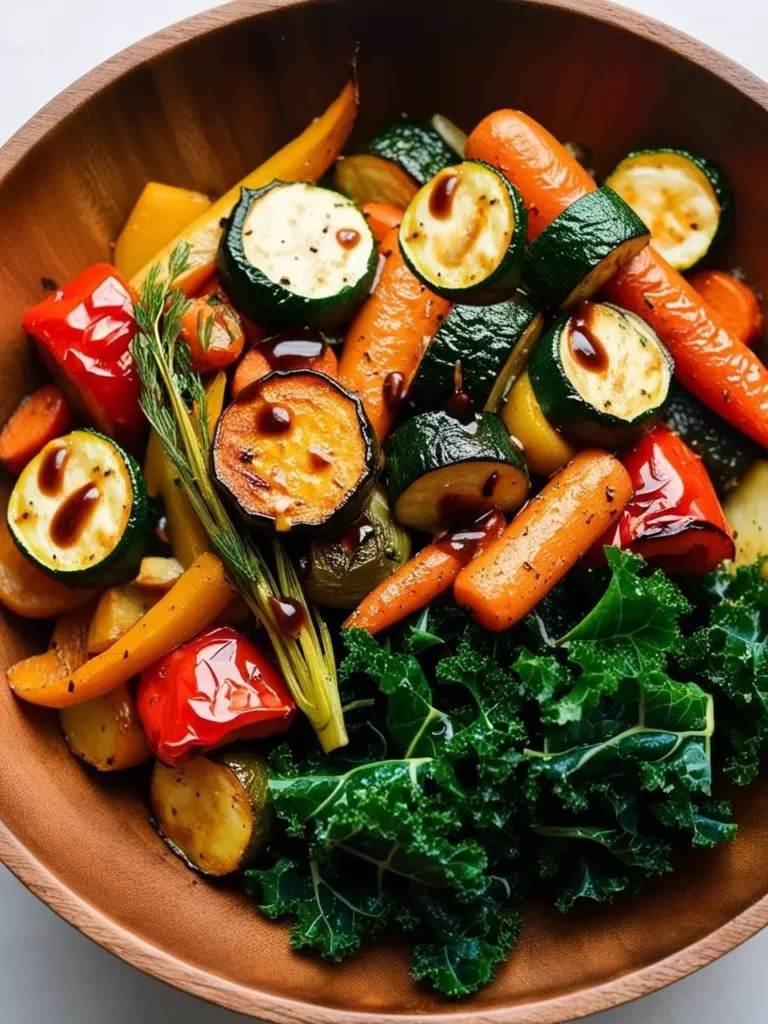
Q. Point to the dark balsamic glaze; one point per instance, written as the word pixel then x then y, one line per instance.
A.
pixel 50 474
pixel 441 198
pixel 290 615
pixel 274 419
pixel 393 389
pixel 72 516
pixel 586 347
pixel 347 238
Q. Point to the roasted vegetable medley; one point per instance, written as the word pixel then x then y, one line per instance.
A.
pixel 402 518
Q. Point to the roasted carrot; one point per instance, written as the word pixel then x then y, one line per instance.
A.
pixel 547 176
pixel 732 300
pixel 214 333
pixel 710 360
pixel 382 217
pixel 504 583
pixel 386 340
pixel 39 418
pixel 425 576
pixel 255 364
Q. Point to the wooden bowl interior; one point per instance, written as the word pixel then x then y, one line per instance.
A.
pixel 201 115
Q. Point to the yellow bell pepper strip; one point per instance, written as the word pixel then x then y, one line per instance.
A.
pixel 544 448
pixel 187 536
pixel 200 596
pixel 68 650
pixel 26 590
pixel 305 158
pixel 160 213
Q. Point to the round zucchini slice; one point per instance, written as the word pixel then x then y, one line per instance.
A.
pixel 464 233
pixel 295 452
pixel 443 473
pixel 345 568
pixel 601 375
pixel 684 199
pixel 478 351
pixel 395 165
pixel 296 255
pixel 79 511
pixel 213 812
pixel 582 248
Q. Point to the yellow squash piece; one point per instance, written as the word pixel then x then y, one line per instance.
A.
pixel 106 732
pixel 305 158
pixel 160 214
pixel 544 448
pixel 746 509
pixel 200 596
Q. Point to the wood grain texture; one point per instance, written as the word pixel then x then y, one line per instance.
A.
pixel 199 105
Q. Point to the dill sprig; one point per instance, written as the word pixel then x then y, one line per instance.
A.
pixel 174 401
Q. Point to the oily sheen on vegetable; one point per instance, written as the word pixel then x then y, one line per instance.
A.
pixel 434 589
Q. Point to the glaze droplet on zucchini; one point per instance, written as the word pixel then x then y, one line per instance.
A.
pixel 296 255
pixel 683 198
pixel 444 473
pixel 295 452
pixel 581 249
pixel 464 232
pixel 601 375
pixel 79 511
pixel 478 351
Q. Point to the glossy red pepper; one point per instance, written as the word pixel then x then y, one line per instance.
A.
pixel 674 520
pixel 84 331
pixel 214 689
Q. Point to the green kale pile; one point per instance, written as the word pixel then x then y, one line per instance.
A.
pixel 564 757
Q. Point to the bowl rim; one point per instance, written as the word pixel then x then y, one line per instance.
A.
pixel 126 944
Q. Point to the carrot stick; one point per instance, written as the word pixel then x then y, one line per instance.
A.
pixel 733 301
pixel 382 217
pixel 710 360
pixel 504 583
pixel 388 337
pixel 424 577
pixel 543 170
pixel 40 418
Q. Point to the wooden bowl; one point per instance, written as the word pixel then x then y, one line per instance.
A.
pixel 198 105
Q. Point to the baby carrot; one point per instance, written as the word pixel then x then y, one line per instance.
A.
pixel 40 418
pixel 425 576
pixel 509 578
pixel 732 300
pixel 382 217
pixel 387 338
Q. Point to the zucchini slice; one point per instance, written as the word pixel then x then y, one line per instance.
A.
pixel 746 509
pixel 344 569
pixel 443 473
pixel 601 375
pixel 213 811
pixel 726 453
pixel 478 351
pixel 395 165
pixel 684 199
pixel 296 255
pixel 464 233
pixel 79 511
pixel 581 249
pixel 295 452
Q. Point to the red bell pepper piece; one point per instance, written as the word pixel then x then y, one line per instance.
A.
pixel 674 519
pixel 214 689
pixel 84 331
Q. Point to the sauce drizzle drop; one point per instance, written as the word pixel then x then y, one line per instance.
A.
pixel 295 350
pixel 290 615
pixel 347 237
pixel 586 348
pixel 72 516
pixel 274 419
pixel 50 474
pixel 393 389
pixel 442 196
pixel 356 533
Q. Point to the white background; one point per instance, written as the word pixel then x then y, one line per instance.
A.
pixel 49 974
